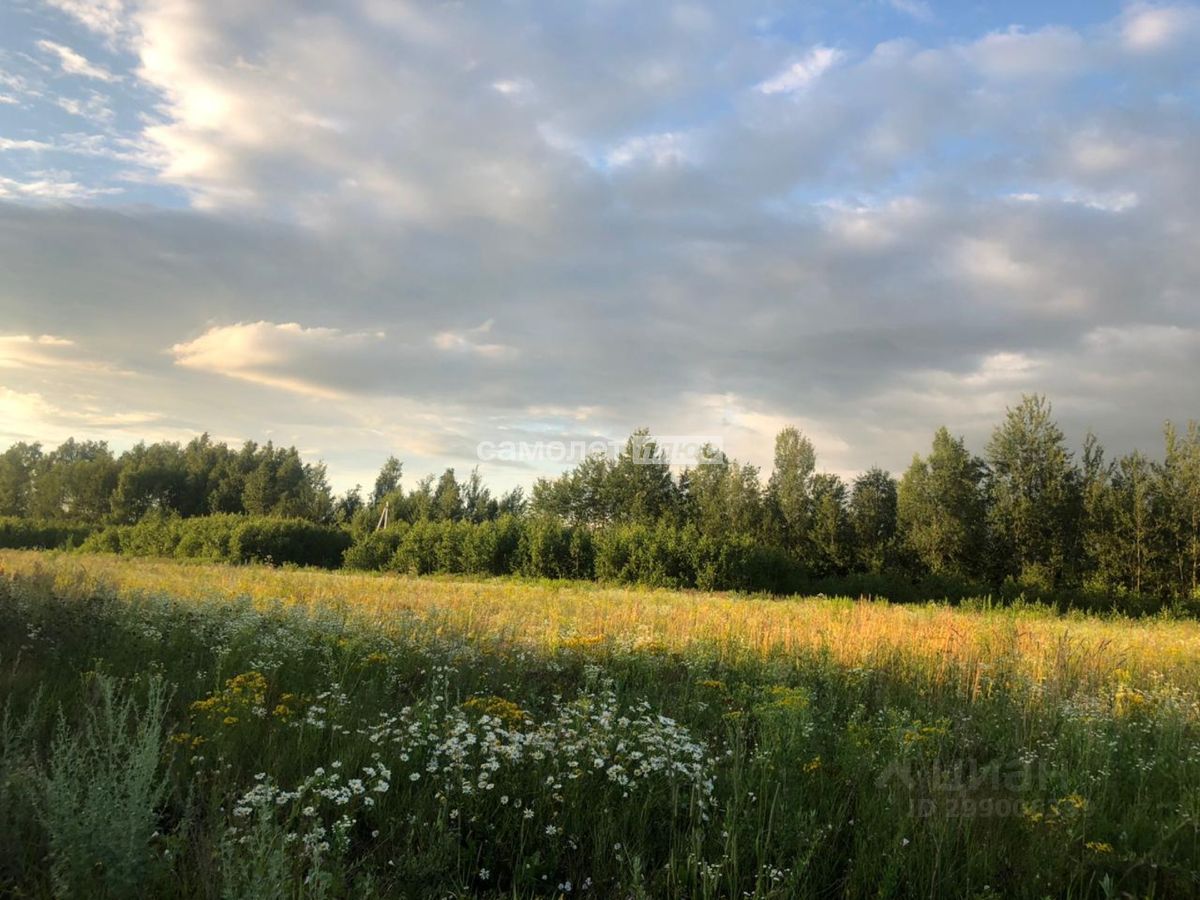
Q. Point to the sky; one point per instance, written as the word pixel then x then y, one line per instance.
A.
pixel 381 227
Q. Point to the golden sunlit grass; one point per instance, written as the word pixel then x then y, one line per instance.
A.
pixel 1072 653
pixel 384 735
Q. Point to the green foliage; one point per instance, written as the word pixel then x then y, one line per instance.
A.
pixel 29 534
pixel 374 550
pixel 1029 522
pixel 1034 510
pixel 941 509
pixel 208 537
pixel 99 794
pixel 295 541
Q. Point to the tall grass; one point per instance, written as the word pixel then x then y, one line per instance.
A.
pixel 350 735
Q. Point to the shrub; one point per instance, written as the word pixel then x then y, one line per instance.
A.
pixel 106 540
pixel 417 553
pixel 491 548
pixel 100 793
pixel 374 550
pixel 208 537
pixel 295 541
pixel 29 534
pixel 545 549
pixel 154 535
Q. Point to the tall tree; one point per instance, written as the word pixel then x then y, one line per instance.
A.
pixel 640 485
pixel 447 498
pixel 1178 518
pixel 873 518
pixel 75 481
pixel 791 485
pixel 478 505
pixel 18 466
pixel 387 481
pixel 830 535
pixel 152 478
pixel 940 508
pixel 1035 493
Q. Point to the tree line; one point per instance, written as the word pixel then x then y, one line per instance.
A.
pixel 1028 516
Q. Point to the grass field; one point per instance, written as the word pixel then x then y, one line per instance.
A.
pixel 207 731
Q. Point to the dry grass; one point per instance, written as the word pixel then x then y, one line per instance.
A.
pixel 1073 653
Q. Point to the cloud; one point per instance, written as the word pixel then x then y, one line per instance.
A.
pixel 803 72
pixel 50 186
pixel 19 351
pixel 73 63
pixel 1150 28
pixel 696 221
pixel 104 17
pixel 267 353
pixel 472 341
pixel 917 9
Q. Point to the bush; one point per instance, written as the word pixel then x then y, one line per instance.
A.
pixel 295 541
pixel 374 550
pixel 417 553
pixel 545 549
pixel 153 536
pixel 28 534
pixel 208 537
pixel 106 540
pixel 99 797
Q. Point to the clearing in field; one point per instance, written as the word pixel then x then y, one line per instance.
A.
pixel 208 731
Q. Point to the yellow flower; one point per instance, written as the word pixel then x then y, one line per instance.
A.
pixel 1099 847
pixel 229 720
pixel 813 764
pixel 496 707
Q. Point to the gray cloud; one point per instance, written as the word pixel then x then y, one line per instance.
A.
pixel 417 227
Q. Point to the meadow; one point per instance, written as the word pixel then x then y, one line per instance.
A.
pixel 183 729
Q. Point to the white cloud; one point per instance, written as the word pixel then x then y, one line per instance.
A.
pixel 43 186
pixel 1151 28
pixel 1013 54
pixel 669 148
pixel 271 354
pixel 104 17
pixel 19 351
pixel 74 63
pixel 918 9
pixel 472 342
pixel 803 72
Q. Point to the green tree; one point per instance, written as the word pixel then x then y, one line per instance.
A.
pixel 940 508
pixel 152 478
pixel 387 481
pixel 873 519
pixel 1178 489
pixel 830 536
pixel 75 481
pixel 1035 494
pixel 447 498
pixel 791 485
pixel 18 466
pixel 478 505
pixel 640 487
